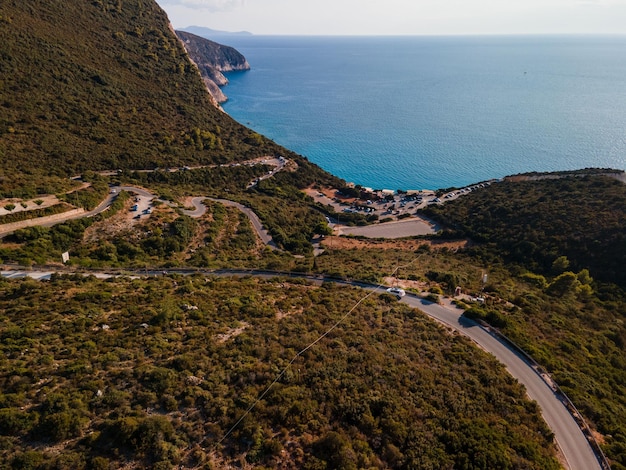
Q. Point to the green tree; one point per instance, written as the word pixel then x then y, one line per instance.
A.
pixel 584 292
pixel 335 449
pixel 560 264
pixel 322 229
pixel 535 279
pixel 564 284
pixel 584 277
pixel 27 460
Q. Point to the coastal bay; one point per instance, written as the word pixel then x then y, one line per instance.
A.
pixel 436 112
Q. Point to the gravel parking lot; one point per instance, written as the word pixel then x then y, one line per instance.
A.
pixel 397 229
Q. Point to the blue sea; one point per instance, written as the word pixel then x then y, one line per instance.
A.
pixel 436 112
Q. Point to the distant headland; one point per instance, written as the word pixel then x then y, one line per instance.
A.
pixel 212 60
pixel 208 32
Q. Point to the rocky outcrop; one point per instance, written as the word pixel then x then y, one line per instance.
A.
pixel 212 60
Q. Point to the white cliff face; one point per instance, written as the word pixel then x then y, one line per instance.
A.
pixel 229 67
pixel 212 60
pixel 219 78
pixel 216 92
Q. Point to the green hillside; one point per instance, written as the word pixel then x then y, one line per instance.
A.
pixel 154 372
pixel 107 85
pixel 104 85
pixel 532 223
pixel 555 250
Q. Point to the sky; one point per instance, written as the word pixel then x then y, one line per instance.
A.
pixel 401 17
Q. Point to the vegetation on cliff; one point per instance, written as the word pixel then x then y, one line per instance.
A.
pixel 103 85
pixel 532 223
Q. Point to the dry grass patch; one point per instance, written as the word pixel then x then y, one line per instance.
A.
pixel 347 243
pixel 232 332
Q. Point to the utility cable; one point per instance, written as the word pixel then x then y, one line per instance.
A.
pixel 322 336
pixel 279 376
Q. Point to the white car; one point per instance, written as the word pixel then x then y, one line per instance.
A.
pixel 396 291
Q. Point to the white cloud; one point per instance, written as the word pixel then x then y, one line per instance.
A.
pixel 401 16
pixel 601 3
pixel 207 5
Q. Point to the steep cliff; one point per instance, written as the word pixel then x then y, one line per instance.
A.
pixel 106 84
pixel 212 60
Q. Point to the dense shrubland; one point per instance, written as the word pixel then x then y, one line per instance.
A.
pixel 156 372
pixel 100 373
pixel 569 322
pixel 89 197
pixel 222 238
pixel 103 85
pixel 559 248
pixel 288 214
pixel 532 223
pixel 34 213
pixel 109 86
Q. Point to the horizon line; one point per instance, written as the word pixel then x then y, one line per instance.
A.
pixel 552 34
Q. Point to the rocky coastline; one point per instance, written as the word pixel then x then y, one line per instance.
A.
pixel 213 60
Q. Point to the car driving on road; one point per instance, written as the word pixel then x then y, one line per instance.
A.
pixel 396 291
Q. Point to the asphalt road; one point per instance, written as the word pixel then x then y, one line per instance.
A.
pixel 568 435
pixel 144 201
pixel 200 209
pixel 145 198
pixel 395 229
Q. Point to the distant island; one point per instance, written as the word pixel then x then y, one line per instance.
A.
pixel 208 32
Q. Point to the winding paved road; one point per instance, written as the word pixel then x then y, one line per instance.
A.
pixel 278 163
pixel 568 435
pixel 200 209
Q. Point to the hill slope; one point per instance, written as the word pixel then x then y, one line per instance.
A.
pixel 105 376
pixel 534 222
pixel 106 373
pixel 108 85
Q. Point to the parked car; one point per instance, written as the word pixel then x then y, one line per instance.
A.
pixel 397 292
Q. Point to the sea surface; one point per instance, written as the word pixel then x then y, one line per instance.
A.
pixel 436 112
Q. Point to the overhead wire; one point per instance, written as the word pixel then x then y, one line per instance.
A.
pixel 322 336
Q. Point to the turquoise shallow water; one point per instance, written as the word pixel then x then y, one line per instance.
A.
pixel 435 112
